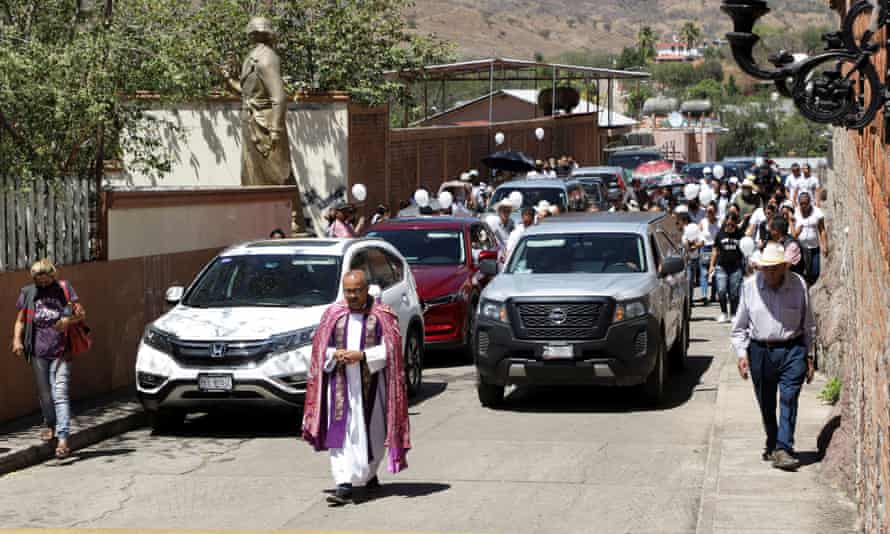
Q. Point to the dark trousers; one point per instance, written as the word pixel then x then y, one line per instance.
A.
pixel 783 369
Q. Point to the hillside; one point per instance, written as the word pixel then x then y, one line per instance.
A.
pixel 521 28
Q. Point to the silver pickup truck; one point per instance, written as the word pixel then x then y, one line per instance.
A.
pixel 586 299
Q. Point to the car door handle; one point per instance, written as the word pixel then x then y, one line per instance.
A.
pixel 406 300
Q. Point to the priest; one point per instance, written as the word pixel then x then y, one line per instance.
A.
pixel 356 399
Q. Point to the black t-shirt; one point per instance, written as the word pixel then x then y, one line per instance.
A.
pixel 730 255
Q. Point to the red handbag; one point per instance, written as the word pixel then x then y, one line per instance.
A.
pixel 78 335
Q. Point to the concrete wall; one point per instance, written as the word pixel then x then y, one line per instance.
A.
pixel 695 146
pixel 205 146
pixel 149 223
pixel 120 297
pixel 851 301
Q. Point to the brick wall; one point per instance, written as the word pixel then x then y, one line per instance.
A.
pixel 851 301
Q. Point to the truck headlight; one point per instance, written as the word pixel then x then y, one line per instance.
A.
pixel 496 311
pixel 157 340
pixel 291 341
pixel 631 309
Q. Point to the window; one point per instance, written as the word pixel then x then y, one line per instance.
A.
pixel 396 265
pixel 579 253
pixel 426 247
pixel 481 238
pixel 381 270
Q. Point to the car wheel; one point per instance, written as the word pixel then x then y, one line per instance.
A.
pixel 653 388
pixel 680 350
pixel 413 364
pixel 469 350
pixel 166 419
pixel 490 395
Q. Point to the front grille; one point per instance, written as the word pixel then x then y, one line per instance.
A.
pixel 560 321
pixel 236 354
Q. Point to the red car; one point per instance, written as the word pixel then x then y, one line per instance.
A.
pixel 444 254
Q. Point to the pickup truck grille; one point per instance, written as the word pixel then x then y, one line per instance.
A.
pixel 561 321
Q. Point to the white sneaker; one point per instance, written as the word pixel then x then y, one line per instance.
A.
pixel 722 318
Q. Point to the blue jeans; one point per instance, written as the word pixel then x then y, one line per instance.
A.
pixel 703 281
pixel 815 265
pixel 692 270
pixel 52 376
pixel 729 284
pixel 782 369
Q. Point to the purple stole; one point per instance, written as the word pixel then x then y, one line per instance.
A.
pixel 338 412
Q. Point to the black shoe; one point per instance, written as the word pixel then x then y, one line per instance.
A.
pixel 341 496
pixel 767 455
pixel 373 484
pixel 782 459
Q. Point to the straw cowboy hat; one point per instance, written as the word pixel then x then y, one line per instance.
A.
pixel 773 254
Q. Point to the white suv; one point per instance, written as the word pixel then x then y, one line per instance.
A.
pixel 242 332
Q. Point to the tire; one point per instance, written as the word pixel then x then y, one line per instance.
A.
pixel 490 395
pixel 680 351
pixel 166 419
pixel 413 364
pixel 653 388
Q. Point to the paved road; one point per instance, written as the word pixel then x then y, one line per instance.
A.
pixel 583 460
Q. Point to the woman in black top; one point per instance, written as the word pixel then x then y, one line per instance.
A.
pixel 727 264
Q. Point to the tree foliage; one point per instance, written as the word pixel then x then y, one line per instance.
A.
pixel 68 74
pixel 760 125
pixel 690 34
pixel 646 43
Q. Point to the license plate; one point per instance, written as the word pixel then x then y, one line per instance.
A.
pixel 215 382
pixel 558 352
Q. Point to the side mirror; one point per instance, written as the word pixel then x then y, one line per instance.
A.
pixel 174 295
pixel 672 265
pixel 488 255
pixel 374 291
pixel 489 267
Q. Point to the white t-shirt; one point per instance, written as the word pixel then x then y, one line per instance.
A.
pixel 757 218
pixel 708 232
pixel 791 182
pixel 809 185
pixel 809 227
pixel 691 236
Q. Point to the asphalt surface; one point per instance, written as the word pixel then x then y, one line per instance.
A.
pixel 551 460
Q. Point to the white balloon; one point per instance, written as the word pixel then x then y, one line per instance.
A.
pixel 499 138
pixel 747 245
pixel 706 196
pixel 445 200
pixel 719 172
pixel 516 199
pixel 690 233
pixel 422 198
pixel 360 192
pixel 759 161
pixel 707 170
pixel 539 133
pixel 691 191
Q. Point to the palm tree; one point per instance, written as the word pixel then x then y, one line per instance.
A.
pixel 690 34
pixel 646 43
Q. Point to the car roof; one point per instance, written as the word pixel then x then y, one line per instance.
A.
pixel 579 172
pixel 534 182
pixel 424 222
pixel 315 246
pixel 635 151
pixel 609 222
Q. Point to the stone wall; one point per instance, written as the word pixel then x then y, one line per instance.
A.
pixel 851 300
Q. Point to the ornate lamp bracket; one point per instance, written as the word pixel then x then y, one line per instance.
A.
pixel 839 86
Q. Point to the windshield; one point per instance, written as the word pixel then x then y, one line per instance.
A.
pixel 426 247
pixel 267 280
pixel 556 196
pixel 592 189
pixel 633 160
pixel 579 253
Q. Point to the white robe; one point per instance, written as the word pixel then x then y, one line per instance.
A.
pixel 350 464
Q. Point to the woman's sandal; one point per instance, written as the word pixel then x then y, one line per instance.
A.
pixel 47 434
pixel 62 452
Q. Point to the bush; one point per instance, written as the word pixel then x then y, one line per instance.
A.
pixel 831 393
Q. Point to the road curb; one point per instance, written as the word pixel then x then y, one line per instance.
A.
pixel 80 438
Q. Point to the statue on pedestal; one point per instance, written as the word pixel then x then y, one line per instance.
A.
pixel 265 151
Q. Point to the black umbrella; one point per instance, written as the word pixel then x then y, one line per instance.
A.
pixel 508 160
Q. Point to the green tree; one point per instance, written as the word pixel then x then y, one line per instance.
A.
pixel 732 89
pixel 706 89
pixel 630 57
pixel 646 43
pixel 690 34
pixel 636 97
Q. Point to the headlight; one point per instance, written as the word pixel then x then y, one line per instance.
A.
pixel 496 311
pixel 447 299
pixel 629 310
pixel 157 340
pixel 292 340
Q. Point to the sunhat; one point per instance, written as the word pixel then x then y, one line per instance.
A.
pixel 773 254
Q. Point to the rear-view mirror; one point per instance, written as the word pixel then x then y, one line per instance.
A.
pixel 489 267
pixel 174 294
